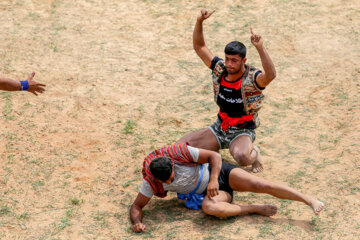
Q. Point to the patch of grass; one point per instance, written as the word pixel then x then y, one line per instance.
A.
pixel 54 5
pixel 64 222
pixel 128 183
pixel 53 47
pixel 8 107
pixel 354 190
pixel 129 127
pixel 24 215
pixel 34 15
pixel 296 178
pixel 172 234
pixel 4 210
pixel 58 27
pixel 37 184
pixel 126 200
pixel 100 219
pixel 267 130
pixel 74 201
pixel 217 25
pixel 135 151
pixel 287 227
pixel 285 105
pixel 316 222
pixel 308 160
pixel 119 143
pixel 266 229
pixel 284 207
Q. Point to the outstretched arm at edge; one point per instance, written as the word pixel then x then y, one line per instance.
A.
pixel 7 84
pixel 214 158
pixel 136 214
pixel 198 39
pixel 30 85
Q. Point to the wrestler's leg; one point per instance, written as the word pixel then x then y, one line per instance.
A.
pixel 221 206
pixel 242 181
pixel 203 138
pixel 245 153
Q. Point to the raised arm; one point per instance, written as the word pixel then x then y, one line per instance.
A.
pixel 264 78
pixel 29 85
pixel 207 156
pixel 136 214
pixel 198 38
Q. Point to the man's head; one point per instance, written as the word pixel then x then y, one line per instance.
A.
pixel 235 57
pixel 162 169
pixel 236 48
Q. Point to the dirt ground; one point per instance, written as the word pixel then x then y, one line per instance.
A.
pixel 122 79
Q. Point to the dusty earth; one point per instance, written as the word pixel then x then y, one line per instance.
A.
pixel 122 79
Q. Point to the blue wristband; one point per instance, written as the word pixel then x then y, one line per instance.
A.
pixel 24 85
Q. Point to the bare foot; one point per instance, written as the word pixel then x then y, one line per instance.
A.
pixel 316 205
pixel 257 166
pixel 266 210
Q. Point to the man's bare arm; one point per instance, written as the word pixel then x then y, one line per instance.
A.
pixel 136 214
pixel 263 79
pixel 214 158
pixel 29 84
pixel 198 39
pixel 7 84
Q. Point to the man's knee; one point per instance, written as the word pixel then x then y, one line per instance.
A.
pixel 243 158
pixel 212 209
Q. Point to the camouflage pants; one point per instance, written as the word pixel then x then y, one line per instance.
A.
pixel 225 138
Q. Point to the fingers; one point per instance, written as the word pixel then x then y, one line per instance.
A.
pixel 31 76
pixel 38 84
pixel 255 38
pixel 213 192
pixel 40 89
pixel 35 90
pixel 139 227
pixel 205 13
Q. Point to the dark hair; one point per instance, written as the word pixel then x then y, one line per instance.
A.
pixel 235 47
pixel 161 168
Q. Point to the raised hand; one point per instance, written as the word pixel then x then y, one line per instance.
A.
pixel 35 87
pixel 204 14
pixel 256 39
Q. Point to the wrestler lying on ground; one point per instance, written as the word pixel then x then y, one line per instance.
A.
pixel 200 176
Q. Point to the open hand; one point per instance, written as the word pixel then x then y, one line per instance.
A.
pixel 256 39
pixel 35 87
pixel 205 14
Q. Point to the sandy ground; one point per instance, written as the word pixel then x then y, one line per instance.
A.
pixel 122 79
